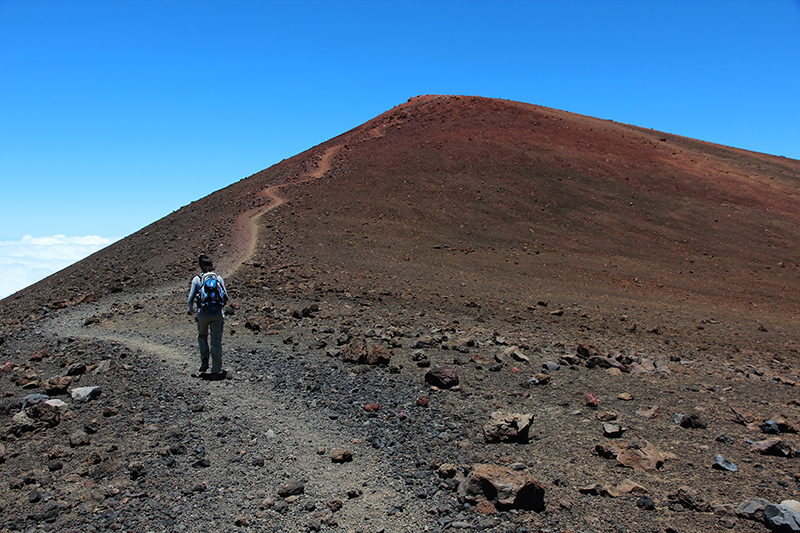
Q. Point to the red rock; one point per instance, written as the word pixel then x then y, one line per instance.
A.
pixel 422 402
pixel 591 400
pixel 443 378
pixel 503 487
pixel 372 407
pixel 773 446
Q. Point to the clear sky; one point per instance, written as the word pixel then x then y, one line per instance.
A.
pixel 115 113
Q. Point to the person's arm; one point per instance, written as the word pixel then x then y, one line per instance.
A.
pixel 224 290
pixel 192 294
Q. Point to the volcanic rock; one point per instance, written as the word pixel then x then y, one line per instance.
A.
pixel 508 427
pixel 444 378
pixel 504 488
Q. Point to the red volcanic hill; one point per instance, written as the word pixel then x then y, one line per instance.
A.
pixel 488 205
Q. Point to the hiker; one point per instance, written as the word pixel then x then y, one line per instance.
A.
pixel 208 290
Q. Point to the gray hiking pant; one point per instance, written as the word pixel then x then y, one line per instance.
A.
pixel 214 324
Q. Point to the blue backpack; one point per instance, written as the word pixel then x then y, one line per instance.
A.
pixel 210 298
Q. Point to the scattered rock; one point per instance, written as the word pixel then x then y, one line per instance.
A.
pixel 612 491
pixel 653 412
pixel 606 416
pixel 752 509
pixel 79 438
pixel 688 498
pixel 356 352
pixel 84 394
pixel 781 518
pixel 446 471
pixel 507 427
pixel 57 385
pixel 32 399
pixel 637 454
pixel 774 446
pixel 538 379
pixel 591 400
pixel 693 420
pixel 720 463
pixel 515 353
pixel 504 488
pixel 613 431
pixel 444 378
pixel 342 456
pixel 291 488
pixel 646 503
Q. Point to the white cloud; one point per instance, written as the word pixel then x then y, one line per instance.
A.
pixel 31 259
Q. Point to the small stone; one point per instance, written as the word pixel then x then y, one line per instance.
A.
pixel 550 367
pixel 651 413
pixel 444 378
pixel 372 407
pixel 720 463
pixel 613 431
pixel 773 446
pixel 291 488
pixel 752 508
pixel 486 508
pixel 84 394
pixel 56 386
pixel 33 399
pixel 539 379
pixel 770 427
pixel 625 397
pixel 515 353
pixel 446 471
pixel 646 503
pixel 342 456
pixel 591 399
pixel 606 416
pixel 334 505
pixel 693 420
pixel 781 518
pixel 507 427
pixel 78 438
pixel 725 439
pixel 201 463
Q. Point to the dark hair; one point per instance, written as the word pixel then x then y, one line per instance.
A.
pixel 205 263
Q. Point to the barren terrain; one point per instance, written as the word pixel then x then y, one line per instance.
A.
pixel 585 272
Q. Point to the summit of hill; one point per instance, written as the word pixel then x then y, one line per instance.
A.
pixel 466 313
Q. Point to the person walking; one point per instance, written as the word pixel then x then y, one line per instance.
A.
pixel 208 291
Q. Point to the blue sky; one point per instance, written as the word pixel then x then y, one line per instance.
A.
pixel 114 114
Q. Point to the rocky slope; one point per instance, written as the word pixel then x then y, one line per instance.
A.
pixel 629 293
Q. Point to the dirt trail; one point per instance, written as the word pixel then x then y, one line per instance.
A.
pixel 246 229
pixel 290 436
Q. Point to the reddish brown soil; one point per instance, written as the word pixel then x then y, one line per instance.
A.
pixel 495 214
pixel 495 203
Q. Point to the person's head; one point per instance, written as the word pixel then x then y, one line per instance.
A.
pixel 205 263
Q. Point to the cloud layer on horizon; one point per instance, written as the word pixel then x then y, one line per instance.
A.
pixel 31 259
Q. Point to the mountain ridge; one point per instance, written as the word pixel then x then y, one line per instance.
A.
pixel 485 175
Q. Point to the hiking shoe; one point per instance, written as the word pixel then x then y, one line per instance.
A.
pixel 217 376
pixel 203 367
